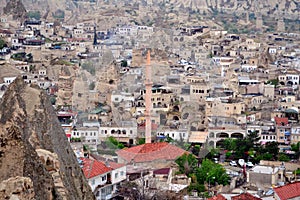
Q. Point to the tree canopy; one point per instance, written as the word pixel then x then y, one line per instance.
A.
pixel 187 164
pixel 211 172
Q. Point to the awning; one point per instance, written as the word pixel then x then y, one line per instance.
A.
pixel 198 137
pixel 287 133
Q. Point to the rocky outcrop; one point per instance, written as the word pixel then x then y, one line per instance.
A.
pixel 15 8
pixel 17 188
pixel 34 146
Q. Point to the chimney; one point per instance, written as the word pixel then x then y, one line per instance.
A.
pixel 107 163
pixel 148 85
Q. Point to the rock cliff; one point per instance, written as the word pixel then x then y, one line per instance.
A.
pixel 36 160
pixel 15 8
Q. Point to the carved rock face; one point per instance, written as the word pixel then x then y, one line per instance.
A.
pixel 33 146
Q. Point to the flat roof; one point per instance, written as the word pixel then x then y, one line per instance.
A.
pixel 264 169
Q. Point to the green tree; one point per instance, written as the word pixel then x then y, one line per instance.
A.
pixel 113 143
pixel 124 63
pixel 253 138
pixel 267 152
pixel 283 158
pixel 211 172
pixel 229 144
pixel 296 148
pixel 187 164
pixel 272 148
pixel 52 100
pixel 273 82
pixel 2 44
pixel 34 14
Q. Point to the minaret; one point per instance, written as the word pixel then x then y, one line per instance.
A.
pixel 258 15
pixel 259 21
pixel 148 85
pixel 247 17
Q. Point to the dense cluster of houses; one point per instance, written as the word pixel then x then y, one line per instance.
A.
pixel 215 85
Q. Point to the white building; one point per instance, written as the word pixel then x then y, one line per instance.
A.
pixel 87 134
pixel 118 97
pixel 248 68
pixel 9 80
pixel 103 177
pixel 174 134
pixel 125 132
pixel 289 79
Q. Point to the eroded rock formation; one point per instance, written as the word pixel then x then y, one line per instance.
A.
pixel 36 160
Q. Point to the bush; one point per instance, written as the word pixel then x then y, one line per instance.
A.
pixel 34 14
pixel 2 44
pixel 92 86
pixel 140 141
pixel 283 158
pixel 196 186
pixel 88 66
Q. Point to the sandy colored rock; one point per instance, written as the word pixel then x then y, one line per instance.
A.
pixel 33 145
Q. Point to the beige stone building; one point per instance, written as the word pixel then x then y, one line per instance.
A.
pixel 224 107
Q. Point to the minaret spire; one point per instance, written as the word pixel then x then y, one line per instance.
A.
pixel 148 85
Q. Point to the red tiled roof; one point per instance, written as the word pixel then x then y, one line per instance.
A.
pixel 245 196
pixel 111 164
pixel 281 121
pixel 115 165
pixel 150 152
pixel 5 31
pixel 218 197
pixel 288 191
pixel 92 168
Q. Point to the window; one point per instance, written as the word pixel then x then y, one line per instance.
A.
pixel 103 178
pixel 93 181
pixel 122 173
pixel 116 175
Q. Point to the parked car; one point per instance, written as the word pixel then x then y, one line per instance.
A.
pixel 249 164
pixel 233 163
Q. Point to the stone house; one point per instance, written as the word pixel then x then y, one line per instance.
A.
pixel 265 175
pixel 224 107
pixel 283 130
